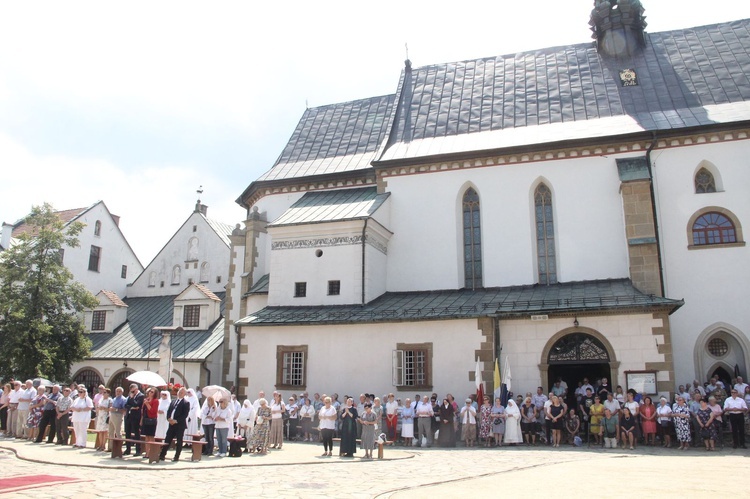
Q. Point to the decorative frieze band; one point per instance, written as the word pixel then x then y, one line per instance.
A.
pixel 322 242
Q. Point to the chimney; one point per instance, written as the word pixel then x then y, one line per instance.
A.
pixel 201 208
pixel 5 237
pixel 618 27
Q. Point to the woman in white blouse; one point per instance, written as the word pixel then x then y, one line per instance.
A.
pixel 306 413
pixel 223 418
pixel 277 423
pixel 81 408
pixel 327 425
pixel 664 413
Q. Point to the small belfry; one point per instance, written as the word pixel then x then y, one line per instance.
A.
pixel 618 27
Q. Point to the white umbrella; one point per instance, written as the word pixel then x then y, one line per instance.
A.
pixel 217 392
pixel 147 378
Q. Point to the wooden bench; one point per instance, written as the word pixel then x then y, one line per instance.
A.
pixel 378 444
pixel 153 448
pixel 101 438
pixel 197 446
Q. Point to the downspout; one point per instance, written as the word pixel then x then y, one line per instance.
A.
pixel 237 360
pixel 653 209
pixel 208 373
pixel 364 234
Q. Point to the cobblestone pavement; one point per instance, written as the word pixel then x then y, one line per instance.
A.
pixel 299 471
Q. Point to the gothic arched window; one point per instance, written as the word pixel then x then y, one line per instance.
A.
pixel 472 240
pixel 545 235
pixel 704 182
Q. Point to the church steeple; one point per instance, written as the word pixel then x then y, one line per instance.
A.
pixel 618 26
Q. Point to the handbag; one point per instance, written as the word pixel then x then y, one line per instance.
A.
pixel 149 421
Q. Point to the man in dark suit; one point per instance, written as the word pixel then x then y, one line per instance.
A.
pixel 133 418
pixel 177 418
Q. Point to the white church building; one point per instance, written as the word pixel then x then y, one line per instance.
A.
pixel 171 318
pixel 573 211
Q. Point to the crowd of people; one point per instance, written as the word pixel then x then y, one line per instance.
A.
pixel 596 414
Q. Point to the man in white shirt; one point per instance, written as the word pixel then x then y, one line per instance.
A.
pixel 15 393
pixel 468 418
pixel 735 407
pixel 424 415
pixel 697 388
pixel 24 401
pixel 256 404
pixel 740 386
pixel 586 385
pixel 612 404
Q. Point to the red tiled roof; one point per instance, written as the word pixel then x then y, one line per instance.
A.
pixel 114 298
pixel 64 215
pixel 203 289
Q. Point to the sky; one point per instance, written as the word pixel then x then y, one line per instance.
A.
pixel 140 103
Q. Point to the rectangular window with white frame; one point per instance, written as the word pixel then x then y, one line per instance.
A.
pixel 411 366
pixel 291 368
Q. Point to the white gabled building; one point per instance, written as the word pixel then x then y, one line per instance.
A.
pixel 103 259
pixel 574 211
pixel 176 304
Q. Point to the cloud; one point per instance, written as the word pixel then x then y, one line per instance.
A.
pixel 153 200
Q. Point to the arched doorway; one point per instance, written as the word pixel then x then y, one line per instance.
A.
pixel 576 356
pixel 88 378
pixel 119 380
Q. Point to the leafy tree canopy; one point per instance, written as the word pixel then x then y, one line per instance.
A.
pixel 41 322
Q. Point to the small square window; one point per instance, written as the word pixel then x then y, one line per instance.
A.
pixel 334 288
pixel 195 228
pixel 218 279
pixel 99 320
pixel 191 316
pixel 300 289
pixel 124 272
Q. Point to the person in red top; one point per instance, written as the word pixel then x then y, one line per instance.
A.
pixel 149 413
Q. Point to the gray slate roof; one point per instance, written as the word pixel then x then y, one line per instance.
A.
pixel 334 138
pixel 222 230
pixel 328 206
pixel 506 302
pixel 261 286
pixel 686 78
pixel 131 339
pixel 573 92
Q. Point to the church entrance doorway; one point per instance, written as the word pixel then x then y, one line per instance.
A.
pixel 577 356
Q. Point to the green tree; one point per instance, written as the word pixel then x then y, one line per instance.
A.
pixel 41 322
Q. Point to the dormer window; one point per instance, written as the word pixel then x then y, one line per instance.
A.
pixel 191 316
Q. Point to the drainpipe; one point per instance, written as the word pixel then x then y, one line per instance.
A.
pixel 653 209
pixel 208 373
pixel 364 230
pixel 237 360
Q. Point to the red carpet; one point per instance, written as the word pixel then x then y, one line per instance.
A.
pixel 16 483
